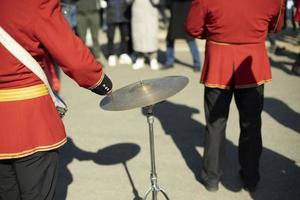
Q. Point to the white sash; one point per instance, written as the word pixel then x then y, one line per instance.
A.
pixel 23 56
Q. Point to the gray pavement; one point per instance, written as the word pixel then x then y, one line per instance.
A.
pixel 108 157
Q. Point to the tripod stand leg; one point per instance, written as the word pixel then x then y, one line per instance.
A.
pixel 155 191
pixel 165 194
pixel 147 193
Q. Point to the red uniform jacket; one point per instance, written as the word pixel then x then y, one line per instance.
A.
pixel 32 125
pixel 297 14
pixel 235 31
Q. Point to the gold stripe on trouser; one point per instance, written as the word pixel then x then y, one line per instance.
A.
pixel 23 93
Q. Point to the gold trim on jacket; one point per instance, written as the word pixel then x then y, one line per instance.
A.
pixel 32 151
pixel 23 93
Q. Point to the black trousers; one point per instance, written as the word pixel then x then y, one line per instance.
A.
pixel 30 178
pixel 250 105
pixel 125 38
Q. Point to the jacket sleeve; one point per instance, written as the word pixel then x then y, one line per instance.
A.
pixel 195 21
pixel 70 53
pixel 277 19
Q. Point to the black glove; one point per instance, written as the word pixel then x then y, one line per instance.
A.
pixel 104 87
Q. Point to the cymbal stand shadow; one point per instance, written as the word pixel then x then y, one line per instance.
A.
pixel 155 189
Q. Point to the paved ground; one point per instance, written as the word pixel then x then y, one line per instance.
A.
pixel 108 158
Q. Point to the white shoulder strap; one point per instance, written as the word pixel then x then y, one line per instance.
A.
pixel 23 56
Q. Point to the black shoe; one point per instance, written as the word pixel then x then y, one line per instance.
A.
pixel 296 69
pixel 197 69
pixel 168 66
pixel 209 186
pixel 279 50
pixel 247 186
pixel 272 49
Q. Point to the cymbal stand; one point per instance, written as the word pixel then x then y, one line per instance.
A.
pixel 153 176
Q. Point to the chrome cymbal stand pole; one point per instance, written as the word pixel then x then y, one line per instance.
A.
pixel 153 176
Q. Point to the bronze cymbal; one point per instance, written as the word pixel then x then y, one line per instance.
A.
pixel 144 93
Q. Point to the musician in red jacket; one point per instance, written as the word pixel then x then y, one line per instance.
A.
pixel 297 12
pixel 236 64
pixel 31 129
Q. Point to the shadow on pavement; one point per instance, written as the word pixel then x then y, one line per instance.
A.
pixel 162 59
pixel 120 154
pixel 288 36
pixel 284 66
pixel 280 176
pixel 111 155
pixel 68 153
pixel 286 53
pixel 282 113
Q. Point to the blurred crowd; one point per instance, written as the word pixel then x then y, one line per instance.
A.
pixel 139 23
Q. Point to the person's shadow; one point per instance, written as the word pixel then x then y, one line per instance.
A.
pixel 120 154
pixel 282 113
pixel 68 153
pixel 188 134
pixel 111 155
pixel 282 65
pixel 280 176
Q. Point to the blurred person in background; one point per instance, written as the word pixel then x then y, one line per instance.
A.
pixel 274 48
pixel 144 22
pixel 88 17
pixel 179 10
pixel 296 65
pixel 69 10
pixel 289 15
pixel 31 129
pixel 297 12
pixel 163 14
pixel 102 13
pixel 118 15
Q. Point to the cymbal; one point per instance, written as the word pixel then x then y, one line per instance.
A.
pixel 143 93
